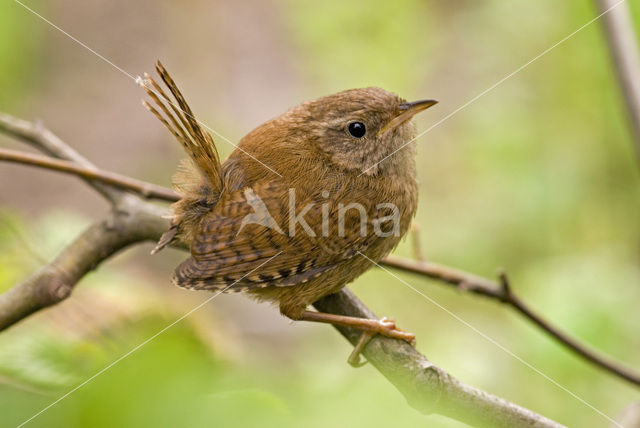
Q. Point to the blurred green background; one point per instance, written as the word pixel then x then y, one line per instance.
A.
pixel 538 177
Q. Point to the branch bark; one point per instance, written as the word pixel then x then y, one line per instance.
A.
pixel 623 45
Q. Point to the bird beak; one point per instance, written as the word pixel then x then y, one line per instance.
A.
pixel 405 112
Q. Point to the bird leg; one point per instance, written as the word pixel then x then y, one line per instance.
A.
pixel 369 327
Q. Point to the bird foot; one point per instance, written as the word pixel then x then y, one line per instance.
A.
pixel 385 327
pixel 369 327
pixel 388 328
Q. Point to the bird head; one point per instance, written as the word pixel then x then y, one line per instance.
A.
pixel 359 129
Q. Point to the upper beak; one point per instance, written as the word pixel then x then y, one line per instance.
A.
pixel 405 112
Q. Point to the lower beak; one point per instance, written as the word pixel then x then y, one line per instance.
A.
pixel 406 112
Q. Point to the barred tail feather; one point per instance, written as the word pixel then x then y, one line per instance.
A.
pixel 176 115
pixel 198 180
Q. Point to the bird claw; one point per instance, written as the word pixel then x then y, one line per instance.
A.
pixel 386 327
pixel 389 323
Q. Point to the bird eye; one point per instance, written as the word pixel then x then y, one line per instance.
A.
pixel 357 129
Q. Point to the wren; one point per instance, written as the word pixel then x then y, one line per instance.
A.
pixel 306 203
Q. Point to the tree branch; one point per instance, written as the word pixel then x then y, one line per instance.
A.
pixel 623 44
pixel 503 293
pixel 128 222
pixel 142 188
pixel 46 141
pixel 427 387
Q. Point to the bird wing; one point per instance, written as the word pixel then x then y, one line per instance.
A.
pixel 245 242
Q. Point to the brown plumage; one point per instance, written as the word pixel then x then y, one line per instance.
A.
pixel 354 194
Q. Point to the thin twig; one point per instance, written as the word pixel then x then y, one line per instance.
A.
pixel 416 243
pixel 123 182
pixel 503 292
pixel 35 134
pixel 623 44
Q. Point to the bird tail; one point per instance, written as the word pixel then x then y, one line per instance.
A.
pixel 181 122
pixel 200 180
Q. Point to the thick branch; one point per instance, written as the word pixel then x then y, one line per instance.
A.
pixel 623 45
pixel 142 188
pixel 129 222
pixel 503 293
pixel 427 387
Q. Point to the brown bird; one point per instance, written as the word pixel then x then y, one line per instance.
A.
pixel 306 203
